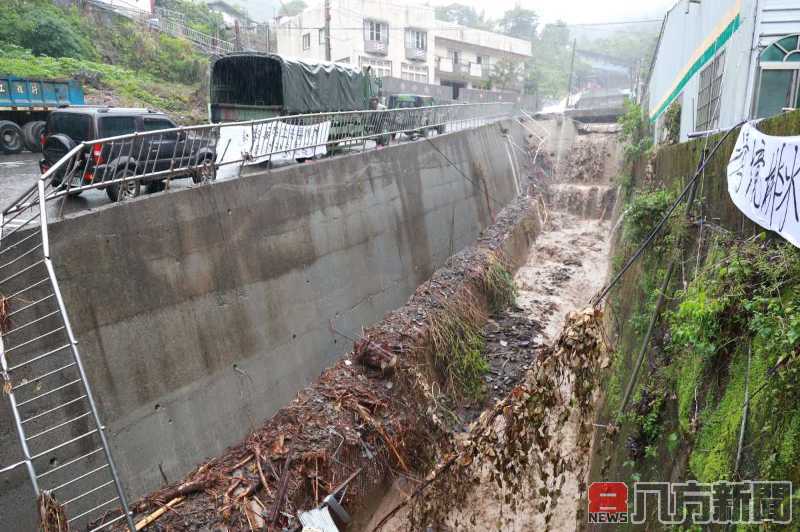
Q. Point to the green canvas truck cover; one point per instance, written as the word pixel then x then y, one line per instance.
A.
pixel 293 85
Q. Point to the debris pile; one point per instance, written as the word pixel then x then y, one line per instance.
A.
pixel 379 410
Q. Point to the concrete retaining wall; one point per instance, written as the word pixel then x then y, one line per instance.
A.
pixel 200 312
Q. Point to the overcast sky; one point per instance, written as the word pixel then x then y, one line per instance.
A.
pixel 575 11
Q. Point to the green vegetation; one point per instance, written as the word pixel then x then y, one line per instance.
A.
pixel 498 285
pixel 636 133
pixel 108 54
pixel 45 29
pixel 198 16
pixel 129 87
pixel 742 310
pixel 458 350
pixel 672 123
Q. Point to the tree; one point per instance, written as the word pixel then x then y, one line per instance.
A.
pixel 292 8
pixel 519 22
pixel 547 72
pixel 506 73
pixel 634 49
pixel 464 15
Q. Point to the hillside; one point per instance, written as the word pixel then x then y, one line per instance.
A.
pixel 117 61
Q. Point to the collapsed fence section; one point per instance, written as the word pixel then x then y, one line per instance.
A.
pixel 61 437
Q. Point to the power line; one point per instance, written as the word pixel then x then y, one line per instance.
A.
pixel 649 21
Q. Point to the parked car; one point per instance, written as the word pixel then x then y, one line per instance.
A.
pixel 70 125
pixel 410 101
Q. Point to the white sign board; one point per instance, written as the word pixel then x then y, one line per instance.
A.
pixel 268 141
pixel 762 182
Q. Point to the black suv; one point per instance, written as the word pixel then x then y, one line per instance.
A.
pixel 68 126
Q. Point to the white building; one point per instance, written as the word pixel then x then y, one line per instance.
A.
pixel 401 41
pixel 724 61
pixel 466 56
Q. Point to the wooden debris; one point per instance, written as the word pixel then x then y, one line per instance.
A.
pixel 52 517
pixel 158 513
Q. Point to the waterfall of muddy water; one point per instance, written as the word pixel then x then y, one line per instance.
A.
pixel 567 264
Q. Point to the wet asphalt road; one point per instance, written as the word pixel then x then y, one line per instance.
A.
pixel 19 172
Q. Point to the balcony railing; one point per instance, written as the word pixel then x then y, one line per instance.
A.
pixel 465 70
pixel 415 53
pixel 376 47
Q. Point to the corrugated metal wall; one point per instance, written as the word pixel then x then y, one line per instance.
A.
pixel 696 32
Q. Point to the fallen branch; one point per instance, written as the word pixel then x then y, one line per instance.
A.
pixel 284 483
pixel 364 414
pixel 158 513
pixel 257 454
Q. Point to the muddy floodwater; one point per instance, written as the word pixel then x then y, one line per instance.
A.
pixel 567 265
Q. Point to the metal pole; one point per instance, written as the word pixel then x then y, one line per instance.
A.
pixel 571 70
pixel 327 30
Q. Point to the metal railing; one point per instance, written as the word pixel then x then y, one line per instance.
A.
pixel 167 21
pixel 62 440
pixel 124 163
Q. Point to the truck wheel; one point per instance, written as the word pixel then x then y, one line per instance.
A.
pixel 33 135
pixel 28 139
pixel 126 189
pixel 11 140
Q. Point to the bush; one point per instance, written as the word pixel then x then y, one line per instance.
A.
pixel 45 29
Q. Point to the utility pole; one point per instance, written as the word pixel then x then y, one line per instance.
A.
pixel 327 30
pixel 571 70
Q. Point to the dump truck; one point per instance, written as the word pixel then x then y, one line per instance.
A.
pixel 24 107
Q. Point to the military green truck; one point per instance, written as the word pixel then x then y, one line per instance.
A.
pixel 252 86
pixel 411 101
pixel 248 86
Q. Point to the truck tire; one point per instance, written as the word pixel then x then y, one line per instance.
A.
pixel 27 137
pixel 11 141
pixel 31 134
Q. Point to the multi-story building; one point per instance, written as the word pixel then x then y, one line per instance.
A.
pixel 394 39
pixel 466 57
pixel 398 40
pixel 723 61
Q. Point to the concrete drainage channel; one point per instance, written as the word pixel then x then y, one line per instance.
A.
pixel 238 295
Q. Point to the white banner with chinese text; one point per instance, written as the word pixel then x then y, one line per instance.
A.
pixel 268 141
pixel 761 181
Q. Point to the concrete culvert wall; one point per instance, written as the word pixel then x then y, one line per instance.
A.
pixel 200 312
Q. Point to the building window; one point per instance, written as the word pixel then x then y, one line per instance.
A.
pixel 708 97
pixel 779 79
pixel 380 67
pixel 376 31
pixel 483 60
pixel 416 39
pixel 454 56
pixel 414 72
pixel 306 41
pixel 322 36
